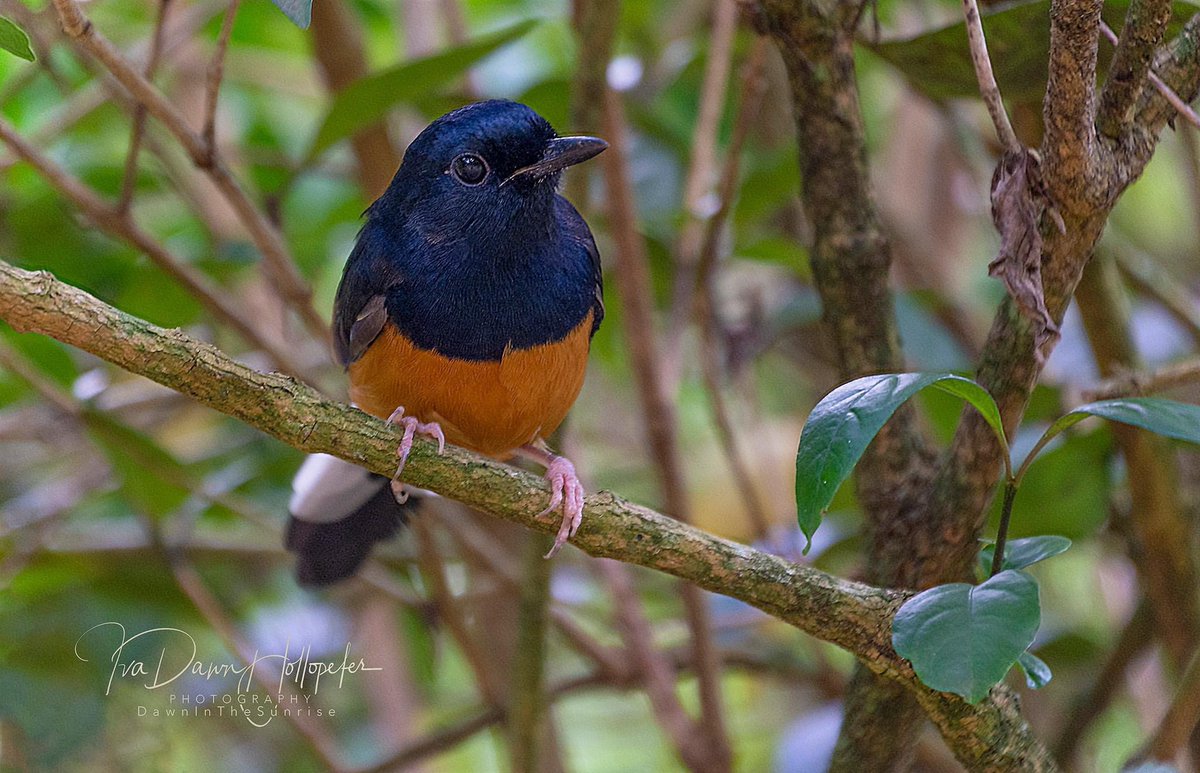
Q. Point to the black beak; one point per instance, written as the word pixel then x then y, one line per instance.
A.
pixel 561 152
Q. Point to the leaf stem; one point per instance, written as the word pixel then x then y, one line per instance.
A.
pixel 1010 493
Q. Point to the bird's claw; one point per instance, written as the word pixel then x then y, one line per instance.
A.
pixel 566 492
pixel 412 425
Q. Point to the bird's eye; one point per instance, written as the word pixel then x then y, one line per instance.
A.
pixel 469 168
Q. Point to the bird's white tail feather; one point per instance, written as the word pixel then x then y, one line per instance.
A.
pixel 327 489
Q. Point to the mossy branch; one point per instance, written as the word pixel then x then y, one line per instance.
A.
pixel 852 615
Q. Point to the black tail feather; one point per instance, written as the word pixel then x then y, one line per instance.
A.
pixel 329 552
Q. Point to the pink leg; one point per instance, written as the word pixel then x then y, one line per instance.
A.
pixel 566 492
pixel 411 427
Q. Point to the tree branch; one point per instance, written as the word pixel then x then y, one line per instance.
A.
pixel 851 615
pixel 988 88
pixel 1145 24
pixel 1144 383
pixel 1071 151
pixel 851 261
pixel 1179 71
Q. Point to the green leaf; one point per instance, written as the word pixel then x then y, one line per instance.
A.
pixel 1020 553
pixel 964 638
pixel 1037 673
pixel 1180 421
pixel 298 11
pixel 938 62
pixel 366 101
pixel 842 425
pixel 14 40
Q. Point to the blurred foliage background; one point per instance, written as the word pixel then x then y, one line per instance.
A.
pixel 100 470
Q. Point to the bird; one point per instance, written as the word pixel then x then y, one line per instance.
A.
pixel 465 312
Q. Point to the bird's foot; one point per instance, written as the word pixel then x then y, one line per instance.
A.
pixel 566 492
pixel 412 425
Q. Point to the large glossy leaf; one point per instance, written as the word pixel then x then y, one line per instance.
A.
pixel 938 62
pixel 367 100
pixel 844 422
pixel 1020 553
pixel 964 638
pixel 14 40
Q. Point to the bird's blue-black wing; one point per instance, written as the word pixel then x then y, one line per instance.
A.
pixel 359 311
pixel 577 231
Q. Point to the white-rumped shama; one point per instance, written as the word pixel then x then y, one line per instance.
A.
pixel 465 312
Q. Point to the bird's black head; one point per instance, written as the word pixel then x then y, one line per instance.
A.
pixel 482 170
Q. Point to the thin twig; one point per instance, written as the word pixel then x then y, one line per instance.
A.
pixel 699 184
pixel 121 225
pixel 657 675
pixel 212 84
pixel 15 363
pixel 987 79
pixel 1149 278
pixel 702 295
pixel 1010 493
pixel 340 53
pixel 139 113
pixel 450 611
pixel 280 265
pixel 313 733
pixel 1167 377
pixel 506 570
pixel 1136 635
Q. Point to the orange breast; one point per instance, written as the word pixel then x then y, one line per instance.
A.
pixel 489 406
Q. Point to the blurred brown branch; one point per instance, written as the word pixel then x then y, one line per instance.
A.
pixel 1181 718
pixel 1130 383
pixel 704 746
pixel 1159 524
pixel 118 221
pixel 279 263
